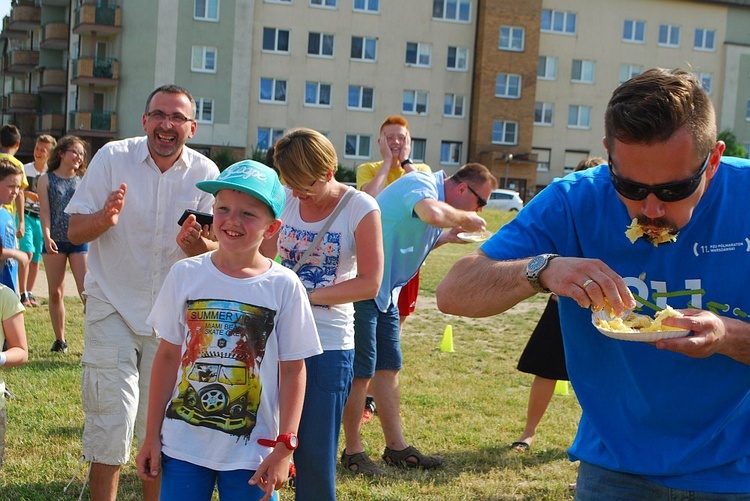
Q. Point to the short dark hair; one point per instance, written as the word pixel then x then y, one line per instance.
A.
pixel 651 107
pixel 475 173
pixel 172 89
pixel 9 136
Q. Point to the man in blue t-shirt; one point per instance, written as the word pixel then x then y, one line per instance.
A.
pixel 660 419
pixel 414 210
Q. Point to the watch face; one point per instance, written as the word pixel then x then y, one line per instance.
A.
pixel 537 263
pixel 293 441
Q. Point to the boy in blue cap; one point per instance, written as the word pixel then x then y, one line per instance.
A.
pixel 228 380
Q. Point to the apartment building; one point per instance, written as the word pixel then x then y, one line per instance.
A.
pixel 520 86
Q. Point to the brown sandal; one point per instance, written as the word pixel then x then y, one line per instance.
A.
pixel 361 463
pixel 410 458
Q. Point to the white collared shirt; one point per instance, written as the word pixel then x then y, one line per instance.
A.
pixel 128 263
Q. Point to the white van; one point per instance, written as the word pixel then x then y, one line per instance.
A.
pixel 505 200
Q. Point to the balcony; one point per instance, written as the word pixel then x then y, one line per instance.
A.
pixel 100 71
pixel 52 123
pixel 25 17
pixel 93 123
pixel 9 33
pixel 54 3
pixel 19 102
pixel 54 36
pixel 19 62
pixel 53 80
pixel 90 18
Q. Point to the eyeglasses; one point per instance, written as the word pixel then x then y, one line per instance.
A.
pixel 667 192
pixel 481 201
pixel 76 153
pixel 175 118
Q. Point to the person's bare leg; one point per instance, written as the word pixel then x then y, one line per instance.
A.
pixel 103 481
pixel 23 275
pixel 31 277
pixel 352 418
pixel 385 389
pixel 78 268
pixel 539 399
pixel 54 265
pixel 151 489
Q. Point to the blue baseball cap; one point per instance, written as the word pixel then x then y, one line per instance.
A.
pixel 253 178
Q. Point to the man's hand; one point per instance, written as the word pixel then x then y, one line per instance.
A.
pixel 589 282
pixel 114 204
pixel 194 240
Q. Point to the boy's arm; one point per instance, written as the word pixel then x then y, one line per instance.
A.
pixel 15 334
pixel 163 378
pixel 16 254
pixel 20 203
pixel 274 470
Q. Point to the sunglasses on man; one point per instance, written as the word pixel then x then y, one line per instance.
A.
pixel 667 192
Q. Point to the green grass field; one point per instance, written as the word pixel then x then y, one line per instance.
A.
pixel 467 406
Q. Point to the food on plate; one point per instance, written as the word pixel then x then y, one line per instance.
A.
pixel 654 235
pixel 477 236
pixel 633 322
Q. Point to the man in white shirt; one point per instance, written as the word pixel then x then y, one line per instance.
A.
pixel 133 245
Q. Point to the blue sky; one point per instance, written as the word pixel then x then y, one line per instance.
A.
pixel 4 8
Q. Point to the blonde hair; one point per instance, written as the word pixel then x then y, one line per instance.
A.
pixel 302 155
pixel 46 138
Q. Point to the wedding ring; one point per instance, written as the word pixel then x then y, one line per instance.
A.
pixel 587 283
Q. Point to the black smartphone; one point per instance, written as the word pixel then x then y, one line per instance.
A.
pixel 203 218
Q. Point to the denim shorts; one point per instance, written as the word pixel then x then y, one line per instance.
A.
pixel 596 483
pixel 181 480
pixel 68 248
pixel 377 342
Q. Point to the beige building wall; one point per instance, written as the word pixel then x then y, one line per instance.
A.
pixel 599 39
pixel 393 26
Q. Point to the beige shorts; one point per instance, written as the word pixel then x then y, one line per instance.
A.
pixel 114 384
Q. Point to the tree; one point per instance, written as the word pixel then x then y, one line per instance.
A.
pixel 734 149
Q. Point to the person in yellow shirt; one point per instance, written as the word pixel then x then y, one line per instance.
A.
pixel 10 141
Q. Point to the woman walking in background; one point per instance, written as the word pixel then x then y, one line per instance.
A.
pixel 65 168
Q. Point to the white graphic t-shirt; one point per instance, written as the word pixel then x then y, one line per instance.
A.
pixel 333 261
pixel 233 333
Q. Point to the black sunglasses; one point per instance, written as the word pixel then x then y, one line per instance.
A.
pixel 667 192
pixel 482 201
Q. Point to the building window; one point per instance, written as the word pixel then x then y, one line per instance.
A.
pixel 318 94
pixel 583 71
pixel 669 35
pixel 267 137
pixel 276 40
pixel 418 54
pixel 329 4
pixel 704 39
pixel 634 31
pixel 204 59
pixel 450 152
pixel 579 117
pixel 508 86
pixel 451 10
pixel 543 113
pixel 458 59
pixel 320 44
pixel 272 90
pixel 546 68
pixel 357 146
pixel 360 98
pixel 368 6
pixel 557 21
pixel 543 156
pixel 278 1
pixel 511 38
pixel 364 49
pixel 453 105
pixel 204 110
pixel 628 71
pixel 206 10
pixel 706 80
pixel 415 102
pixel 504 132
pixel 418 149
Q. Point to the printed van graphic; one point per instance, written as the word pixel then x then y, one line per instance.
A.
pixel 219 384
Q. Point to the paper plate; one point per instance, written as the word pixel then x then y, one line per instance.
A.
pixel 477 236
pixel 635 335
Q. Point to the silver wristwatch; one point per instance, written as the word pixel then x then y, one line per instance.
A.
pixel 535 267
